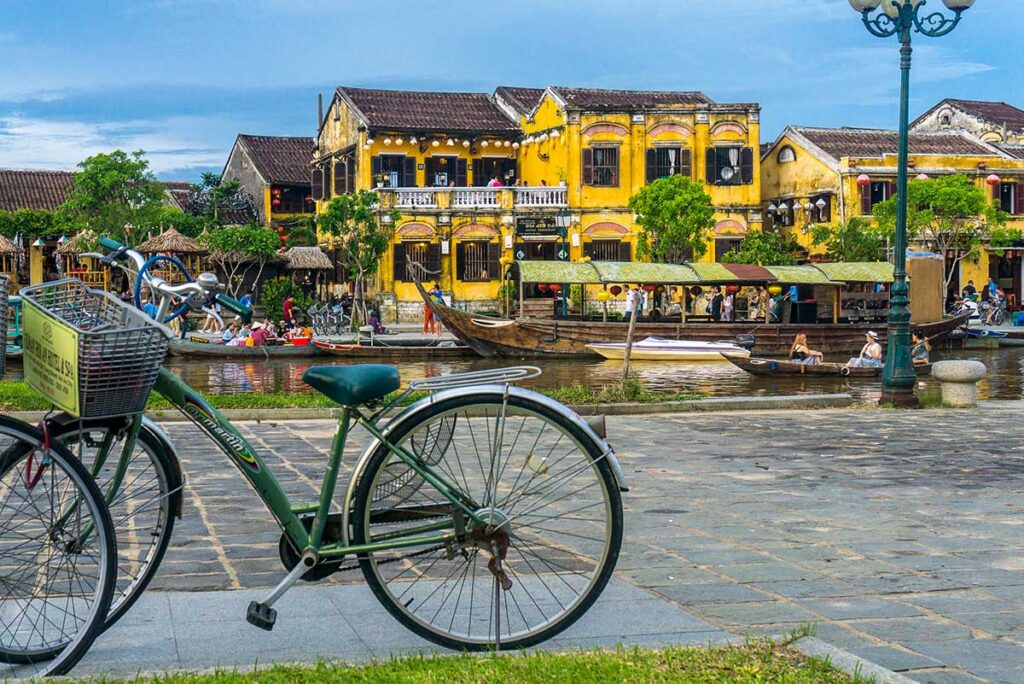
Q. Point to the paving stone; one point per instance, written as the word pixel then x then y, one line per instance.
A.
pixel 690 594
pixel 859 607
pixel 985 658
pixel 897 660
pixel 912 630
pixel 753 613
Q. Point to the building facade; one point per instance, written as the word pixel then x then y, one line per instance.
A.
pixel 528 173
pixel 994 122
pixel 830 175
pixel 275 172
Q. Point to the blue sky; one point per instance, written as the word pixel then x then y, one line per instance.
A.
pixel 180 78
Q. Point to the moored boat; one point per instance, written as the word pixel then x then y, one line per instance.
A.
pixel 658 349
pixel 1006 338
pixel 777 367
pixel 393 353
pixel 193 349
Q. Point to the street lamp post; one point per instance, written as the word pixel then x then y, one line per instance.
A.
pixel 901 18
pixel 563 220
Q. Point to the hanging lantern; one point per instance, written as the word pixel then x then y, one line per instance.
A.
pixel 387 141
pixel 775 289
pixel 555 287
pixel 412 140
pixel 506 143
pixel 436 143
pixel 648 288
pixel 863 180
pixel 484 144
pixel 465 143
pixel 450 143
pixel 808 206
pixel 615 290
pixel 542 137
pixel 398 141
pixel 604 296
pixel 276 192
pixel 772 208
pixel 515 145
pixel 993 180
pixel 696 290
pixel 732 289
pixel 922 176
pixel 369 141
pixel 543 287
pixel 276 202
pixel 309 199
pixel 555 134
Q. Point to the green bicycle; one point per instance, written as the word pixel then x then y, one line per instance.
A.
pixel 483 515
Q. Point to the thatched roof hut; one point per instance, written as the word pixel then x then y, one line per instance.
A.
pixel 85 241
pixel 171 242
pixel 7 247
pixel 307 259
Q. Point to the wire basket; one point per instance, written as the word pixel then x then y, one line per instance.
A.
pixel 88 352
pixel 3 323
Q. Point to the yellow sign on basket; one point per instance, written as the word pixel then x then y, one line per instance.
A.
pixel 50 352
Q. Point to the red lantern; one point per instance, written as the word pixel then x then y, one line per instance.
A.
pixel 863 180
pixel 648 288
pixel 615 290
pixel 276 202
pixel 993 180
pixel 309 199
pixel 555 287
pixel 732 289
pixel 276 192
pixel 922 176
pixel 543 287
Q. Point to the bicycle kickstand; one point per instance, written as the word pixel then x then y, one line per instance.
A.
pixel 260 613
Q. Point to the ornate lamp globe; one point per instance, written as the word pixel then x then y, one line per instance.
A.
pixel 958 4
pixel 865 5
pixel 892 7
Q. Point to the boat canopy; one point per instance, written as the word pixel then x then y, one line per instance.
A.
pixel 612 272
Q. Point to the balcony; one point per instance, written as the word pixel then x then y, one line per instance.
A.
pixel 543 196
pixel 473 199
pixel 415 198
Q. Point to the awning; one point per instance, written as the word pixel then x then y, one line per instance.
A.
pixel 573 272
pixel 643 273
pixel 864 272
pixel 800 275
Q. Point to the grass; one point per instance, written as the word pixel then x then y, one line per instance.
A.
pixel 18 396
pixel 755 661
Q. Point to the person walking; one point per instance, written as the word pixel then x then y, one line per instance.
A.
pixel 429 324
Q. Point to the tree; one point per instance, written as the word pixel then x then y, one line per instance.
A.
pixel 237 250
pixel 949 214
pixel 113 190
pixel 674 215
pixel 856 240
pixel 764 248
pixel 220 201
pixel 301 234
pixel 33 223
pixel 356 221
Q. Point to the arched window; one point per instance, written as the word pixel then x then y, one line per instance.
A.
pixel 786 154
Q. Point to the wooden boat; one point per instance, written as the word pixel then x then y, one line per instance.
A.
pixel 1006 338
pixel 393 353
pixel 207 350
pixel 779 367
pixel 658 349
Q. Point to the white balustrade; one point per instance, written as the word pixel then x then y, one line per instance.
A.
pixel 543 196
pixel 475 198
pixel 415 197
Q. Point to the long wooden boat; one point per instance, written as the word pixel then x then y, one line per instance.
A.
pixel 657 349
pixel 534 336
pixel 189 349
pixel 393 353
pixel 1006 338
pixel 778 367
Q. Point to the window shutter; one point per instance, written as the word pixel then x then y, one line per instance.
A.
pixel 399 261
pixel 340 177
pixel 711 172
pixel 350 175
pixel 865 199
pixel 318 183
pixel 892 190
pixel 409 172
pixel 327 180
pixel 686 163
pixel 460 261
pixel 430 169
pixel 615 169
pixel 588 166
pixel 625 251
pixel 825 214
pixel 494 260
pixel 652 165
pixel 1019 193
pixel 460 173
pixel 375 168
pixel 747 165
pixel 433 259
pixel 997 192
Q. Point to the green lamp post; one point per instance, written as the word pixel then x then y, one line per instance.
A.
pixel 901 18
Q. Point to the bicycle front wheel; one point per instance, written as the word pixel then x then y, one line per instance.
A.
pixel 58 556
pixel 550 537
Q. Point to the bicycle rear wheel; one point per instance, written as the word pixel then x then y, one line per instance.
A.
pixel 58 557
pixel 554 519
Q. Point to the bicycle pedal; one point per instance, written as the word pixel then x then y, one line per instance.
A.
pixel 261 615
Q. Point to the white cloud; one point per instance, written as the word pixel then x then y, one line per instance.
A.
pixel 169 143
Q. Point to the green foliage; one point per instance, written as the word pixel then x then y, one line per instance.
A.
pixel 948 213
pixel 764 248
pixel 239 249
pixel 34 223
pixel 302 234
pixel 856 240
pixel 186 224
pixel 113 190
pixel 274 292
pixel 212 197
pixel 674 215
pixel 508 297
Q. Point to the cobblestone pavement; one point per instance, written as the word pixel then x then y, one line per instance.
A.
pixel 900 534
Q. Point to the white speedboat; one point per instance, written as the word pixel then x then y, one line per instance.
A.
pixel 659 349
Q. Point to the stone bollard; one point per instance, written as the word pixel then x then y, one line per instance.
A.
pixel 959 381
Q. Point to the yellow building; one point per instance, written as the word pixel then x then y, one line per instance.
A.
pixel 528 173
pixel 829 175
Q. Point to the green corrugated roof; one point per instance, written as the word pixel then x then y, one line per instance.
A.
pixel 637 272
pixel 558 272
pixel 799 275
pixel 714 273
pixel 864 272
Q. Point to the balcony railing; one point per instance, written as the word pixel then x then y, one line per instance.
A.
pixel 543 196
pixel 415 197
pixel 476 198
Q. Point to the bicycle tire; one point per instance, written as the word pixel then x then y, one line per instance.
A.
pixel 46 661
pixel 126 519
pixel 403 488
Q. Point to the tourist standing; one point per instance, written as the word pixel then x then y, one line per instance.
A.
pixel 727 306
pixel 716 305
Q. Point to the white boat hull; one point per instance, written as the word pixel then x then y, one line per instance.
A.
pixel 653 349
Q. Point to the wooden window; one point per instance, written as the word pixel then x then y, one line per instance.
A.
pixel 1011 198
pixel 821 214
pixel 668 161
pixel 874 193
pixel 724 245
pixel 318 183
pixel 601 166
pixel 608 250
pixel 344 179
pixel 423 253
pixel 730 165
pixel 477 261
pixel 396 170
pixel 443 171
pixel 486 168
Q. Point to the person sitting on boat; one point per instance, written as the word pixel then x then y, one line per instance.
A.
pixel 920 351
pixel 229 333
pixel 870 353
pixel 258 336
pixel 802 353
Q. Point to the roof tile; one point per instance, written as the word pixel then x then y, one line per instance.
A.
pixel 597 98
pixel 866 142
pixel 404 110
pixel 280 159
pixel 521 100
pixel 998 113
pixel 33 189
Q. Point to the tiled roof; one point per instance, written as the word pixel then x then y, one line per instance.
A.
pixel 596 98
pixel 1015 151
pixel 866 142
pixel 521 100
pixel 31 189
pixel 179 192
pixel 996 113
pixel 404 110
pixel 280 159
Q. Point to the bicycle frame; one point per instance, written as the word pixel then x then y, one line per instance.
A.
pixel 248 461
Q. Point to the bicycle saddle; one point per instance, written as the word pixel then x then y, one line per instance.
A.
pixel 352 385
